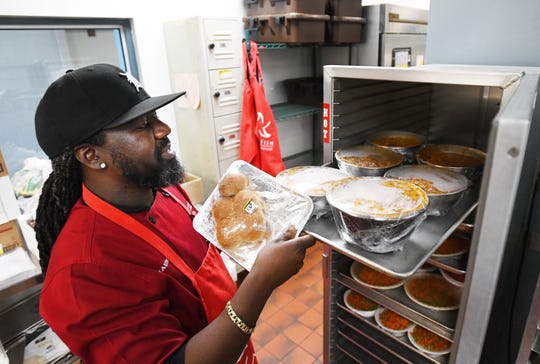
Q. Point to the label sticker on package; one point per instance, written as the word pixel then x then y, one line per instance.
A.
pixel 250 207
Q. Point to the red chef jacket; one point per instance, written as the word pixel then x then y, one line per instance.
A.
pixel 113 298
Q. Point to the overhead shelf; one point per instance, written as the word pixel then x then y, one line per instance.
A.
pixel 271 45
pixel 285 110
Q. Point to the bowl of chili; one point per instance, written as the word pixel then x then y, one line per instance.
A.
pixel 392 322
pixel 373 278
pixel 367 160
pixel 443 186
pixel 455 278
pixel 454 245
pixel 359 303
pixel 459 158
pixel 429 342
pixel 312 181
pixel 376 213
pixel 403 142
pixel 433 291
pixel 426 267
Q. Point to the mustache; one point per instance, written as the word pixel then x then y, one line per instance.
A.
pixel 162 144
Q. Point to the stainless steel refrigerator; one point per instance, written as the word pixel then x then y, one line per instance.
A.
pixel 393 36
pixel 494 109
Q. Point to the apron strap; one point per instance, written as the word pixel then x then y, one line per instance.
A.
pixel 129 223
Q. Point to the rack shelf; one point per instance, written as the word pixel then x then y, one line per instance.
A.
pixel 285 110
pixel 271 45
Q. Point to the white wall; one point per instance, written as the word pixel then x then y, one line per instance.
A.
pixel 148 18
pixel 484 32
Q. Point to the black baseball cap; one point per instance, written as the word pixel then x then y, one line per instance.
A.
pixel 84 101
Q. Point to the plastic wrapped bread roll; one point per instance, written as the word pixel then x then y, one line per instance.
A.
pixel 238 213
pixel 247 209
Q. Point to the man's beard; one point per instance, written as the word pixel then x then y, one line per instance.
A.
pixel 159 174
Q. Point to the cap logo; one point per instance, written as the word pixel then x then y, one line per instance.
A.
pixel 132 80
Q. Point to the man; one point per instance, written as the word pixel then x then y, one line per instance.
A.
pixel 128 279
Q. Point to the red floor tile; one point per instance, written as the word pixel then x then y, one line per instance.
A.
pixel 298 355
pixel 290 328
pixel 264 333
pixel 280 346
pixel 297 332
pixel 313 344
pixel 311 319
pixel 281 320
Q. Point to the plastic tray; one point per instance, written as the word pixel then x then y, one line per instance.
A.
pixel 283 208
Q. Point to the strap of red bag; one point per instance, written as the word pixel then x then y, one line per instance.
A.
pixel 256 61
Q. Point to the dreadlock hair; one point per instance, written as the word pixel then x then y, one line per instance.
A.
pixel 59 193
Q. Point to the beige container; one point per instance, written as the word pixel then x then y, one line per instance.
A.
pixel 268 7
pixel 291 28
pixel 194 188
pixel 10 236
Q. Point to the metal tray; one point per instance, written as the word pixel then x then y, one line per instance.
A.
pixel 440 322
pixel 456 264
pixel 366 335
pixel 418 247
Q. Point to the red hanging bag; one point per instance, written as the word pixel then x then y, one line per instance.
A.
pixel 259 140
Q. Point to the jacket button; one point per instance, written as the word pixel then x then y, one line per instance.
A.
pixel 152 219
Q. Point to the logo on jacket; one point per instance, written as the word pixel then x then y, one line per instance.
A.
pixel 164 265
pixel 262 127
pixel 265 143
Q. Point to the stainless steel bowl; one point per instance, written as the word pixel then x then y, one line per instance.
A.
pixel 376 213
pixel 367 160
pixel 443 186
pixel 312 181
pixel 404 142
pixel 459 158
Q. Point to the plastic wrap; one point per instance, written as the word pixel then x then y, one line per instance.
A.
pixel 312 181
pixel 376 213
pixel 443 187
pixel 238 229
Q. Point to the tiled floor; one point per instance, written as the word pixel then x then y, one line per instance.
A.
pixel 290 328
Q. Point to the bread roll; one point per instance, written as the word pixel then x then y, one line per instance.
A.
pixel 245 197
pixel 254 227
pixel 228 233
pixel 222 208
pixel 231 184
pixel 239 214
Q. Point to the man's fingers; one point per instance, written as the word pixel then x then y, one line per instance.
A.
pixel 289 234
pixel 306 241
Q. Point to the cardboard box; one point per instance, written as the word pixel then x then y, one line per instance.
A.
pixel 194 188
pixel 3 167
pixel 10 236
pixel 9 208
